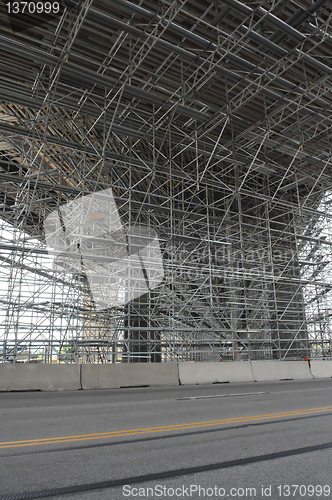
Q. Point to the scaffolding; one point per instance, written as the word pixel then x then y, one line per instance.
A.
pixel 210 124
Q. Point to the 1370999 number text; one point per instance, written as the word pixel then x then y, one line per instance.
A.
pixel 33 7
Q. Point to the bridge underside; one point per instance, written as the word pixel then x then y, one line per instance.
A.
pixel 211 124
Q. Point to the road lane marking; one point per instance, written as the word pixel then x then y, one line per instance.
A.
pixel 223 395
pixel 175 427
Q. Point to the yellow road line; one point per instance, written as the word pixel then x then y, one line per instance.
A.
pixel 148 430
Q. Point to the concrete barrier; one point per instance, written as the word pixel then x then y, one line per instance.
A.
pixel 109 376
pixel 57 377
pixel 191 373
pixel 264 371
pixel 39 376
pixel 321 369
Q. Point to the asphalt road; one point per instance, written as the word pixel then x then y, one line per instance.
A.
pixel 254 440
